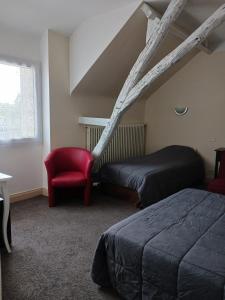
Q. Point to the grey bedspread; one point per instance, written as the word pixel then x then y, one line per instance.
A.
pixel 174 249
pixel 158 175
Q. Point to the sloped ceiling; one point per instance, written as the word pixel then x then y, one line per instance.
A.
pixel 112 67
pixel 92 38
pixel 108 74
pixel 195 12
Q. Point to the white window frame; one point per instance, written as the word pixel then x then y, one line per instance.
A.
pixel 37 67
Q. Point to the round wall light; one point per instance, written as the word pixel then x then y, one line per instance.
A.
pixel 181 111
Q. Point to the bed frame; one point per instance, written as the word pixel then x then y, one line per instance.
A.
pixel 121 192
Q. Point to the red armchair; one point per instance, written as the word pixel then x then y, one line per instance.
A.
pixel 69 167
pixel 217 185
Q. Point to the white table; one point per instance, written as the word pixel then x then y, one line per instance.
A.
pixel 6 206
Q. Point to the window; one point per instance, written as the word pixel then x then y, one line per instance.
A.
pixel 18 102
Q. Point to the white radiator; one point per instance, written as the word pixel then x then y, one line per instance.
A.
pixel 128 141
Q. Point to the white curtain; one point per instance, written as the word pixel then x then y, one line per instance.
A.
pixel 18 101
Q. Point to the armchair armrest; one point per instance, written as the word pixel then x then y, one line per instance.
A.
pixel 49 164
pixel 88 168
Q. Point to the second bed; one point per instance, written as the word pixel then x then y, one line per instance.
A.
pixel 157 175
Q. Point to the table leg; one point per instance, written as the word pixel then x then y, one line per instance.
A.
pixel 6 206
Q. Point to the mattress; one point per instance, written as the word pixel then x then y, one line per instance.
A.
pixel 174 249
pixel 158 175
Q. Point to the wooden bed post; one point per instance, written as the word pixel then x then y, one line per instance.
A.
pixel 136 83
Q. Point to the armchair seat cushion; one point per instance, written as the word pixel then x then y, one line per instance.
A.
pixel 217 186
pixel 69 179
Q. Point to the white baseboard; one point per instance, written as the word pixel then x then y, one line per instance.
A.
pixel 45 192
pixel 27 195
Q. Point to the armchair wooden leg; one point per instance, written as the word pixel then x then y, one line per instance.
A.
pixel 87 194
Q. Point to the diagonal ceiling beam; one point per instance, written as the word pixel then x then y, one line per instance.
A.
pixel 153 20
pixel 135 89
pixel 195 39
pixel 175 30
pixel 172 12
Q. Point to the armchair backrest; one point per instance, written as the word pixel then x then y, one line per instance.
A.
pixel 69 159
pixel 221 173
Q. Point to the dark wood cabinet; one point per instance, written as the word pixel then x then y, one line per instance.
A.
pixel 218 157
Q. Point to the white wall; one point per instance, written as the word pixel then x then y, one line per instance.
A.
pixel 200 85
pixel 62 106
pixel 19 45
pixel 65 109
pixel 22 161
pixel 45 102
pixel 92 37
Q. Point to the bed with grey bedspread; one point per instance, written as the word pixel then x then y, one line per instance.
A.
pixel 174 249
pixel 157 175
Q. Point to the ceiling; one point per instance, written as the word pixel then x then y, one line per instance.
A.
pixel 35 16
pixel 195 12
pixel 107 75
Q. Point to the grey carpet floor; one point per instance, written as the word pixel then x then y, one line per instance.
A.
pixel 53 248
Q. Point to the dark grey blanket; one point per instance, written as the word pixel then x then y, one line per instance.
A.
pixel 158 175
pixel 174 249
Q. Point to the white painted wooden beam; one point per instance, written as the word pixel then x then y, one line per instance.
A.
pixel 150 14
pixel 157 36
pixel 132 90
pixel 153 20
pixel 93 121
pixel 174 29
pixel 196 38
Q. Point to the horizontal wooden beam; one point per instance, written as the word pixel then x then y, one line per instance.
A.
pixel 93 121
pixel 175 30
